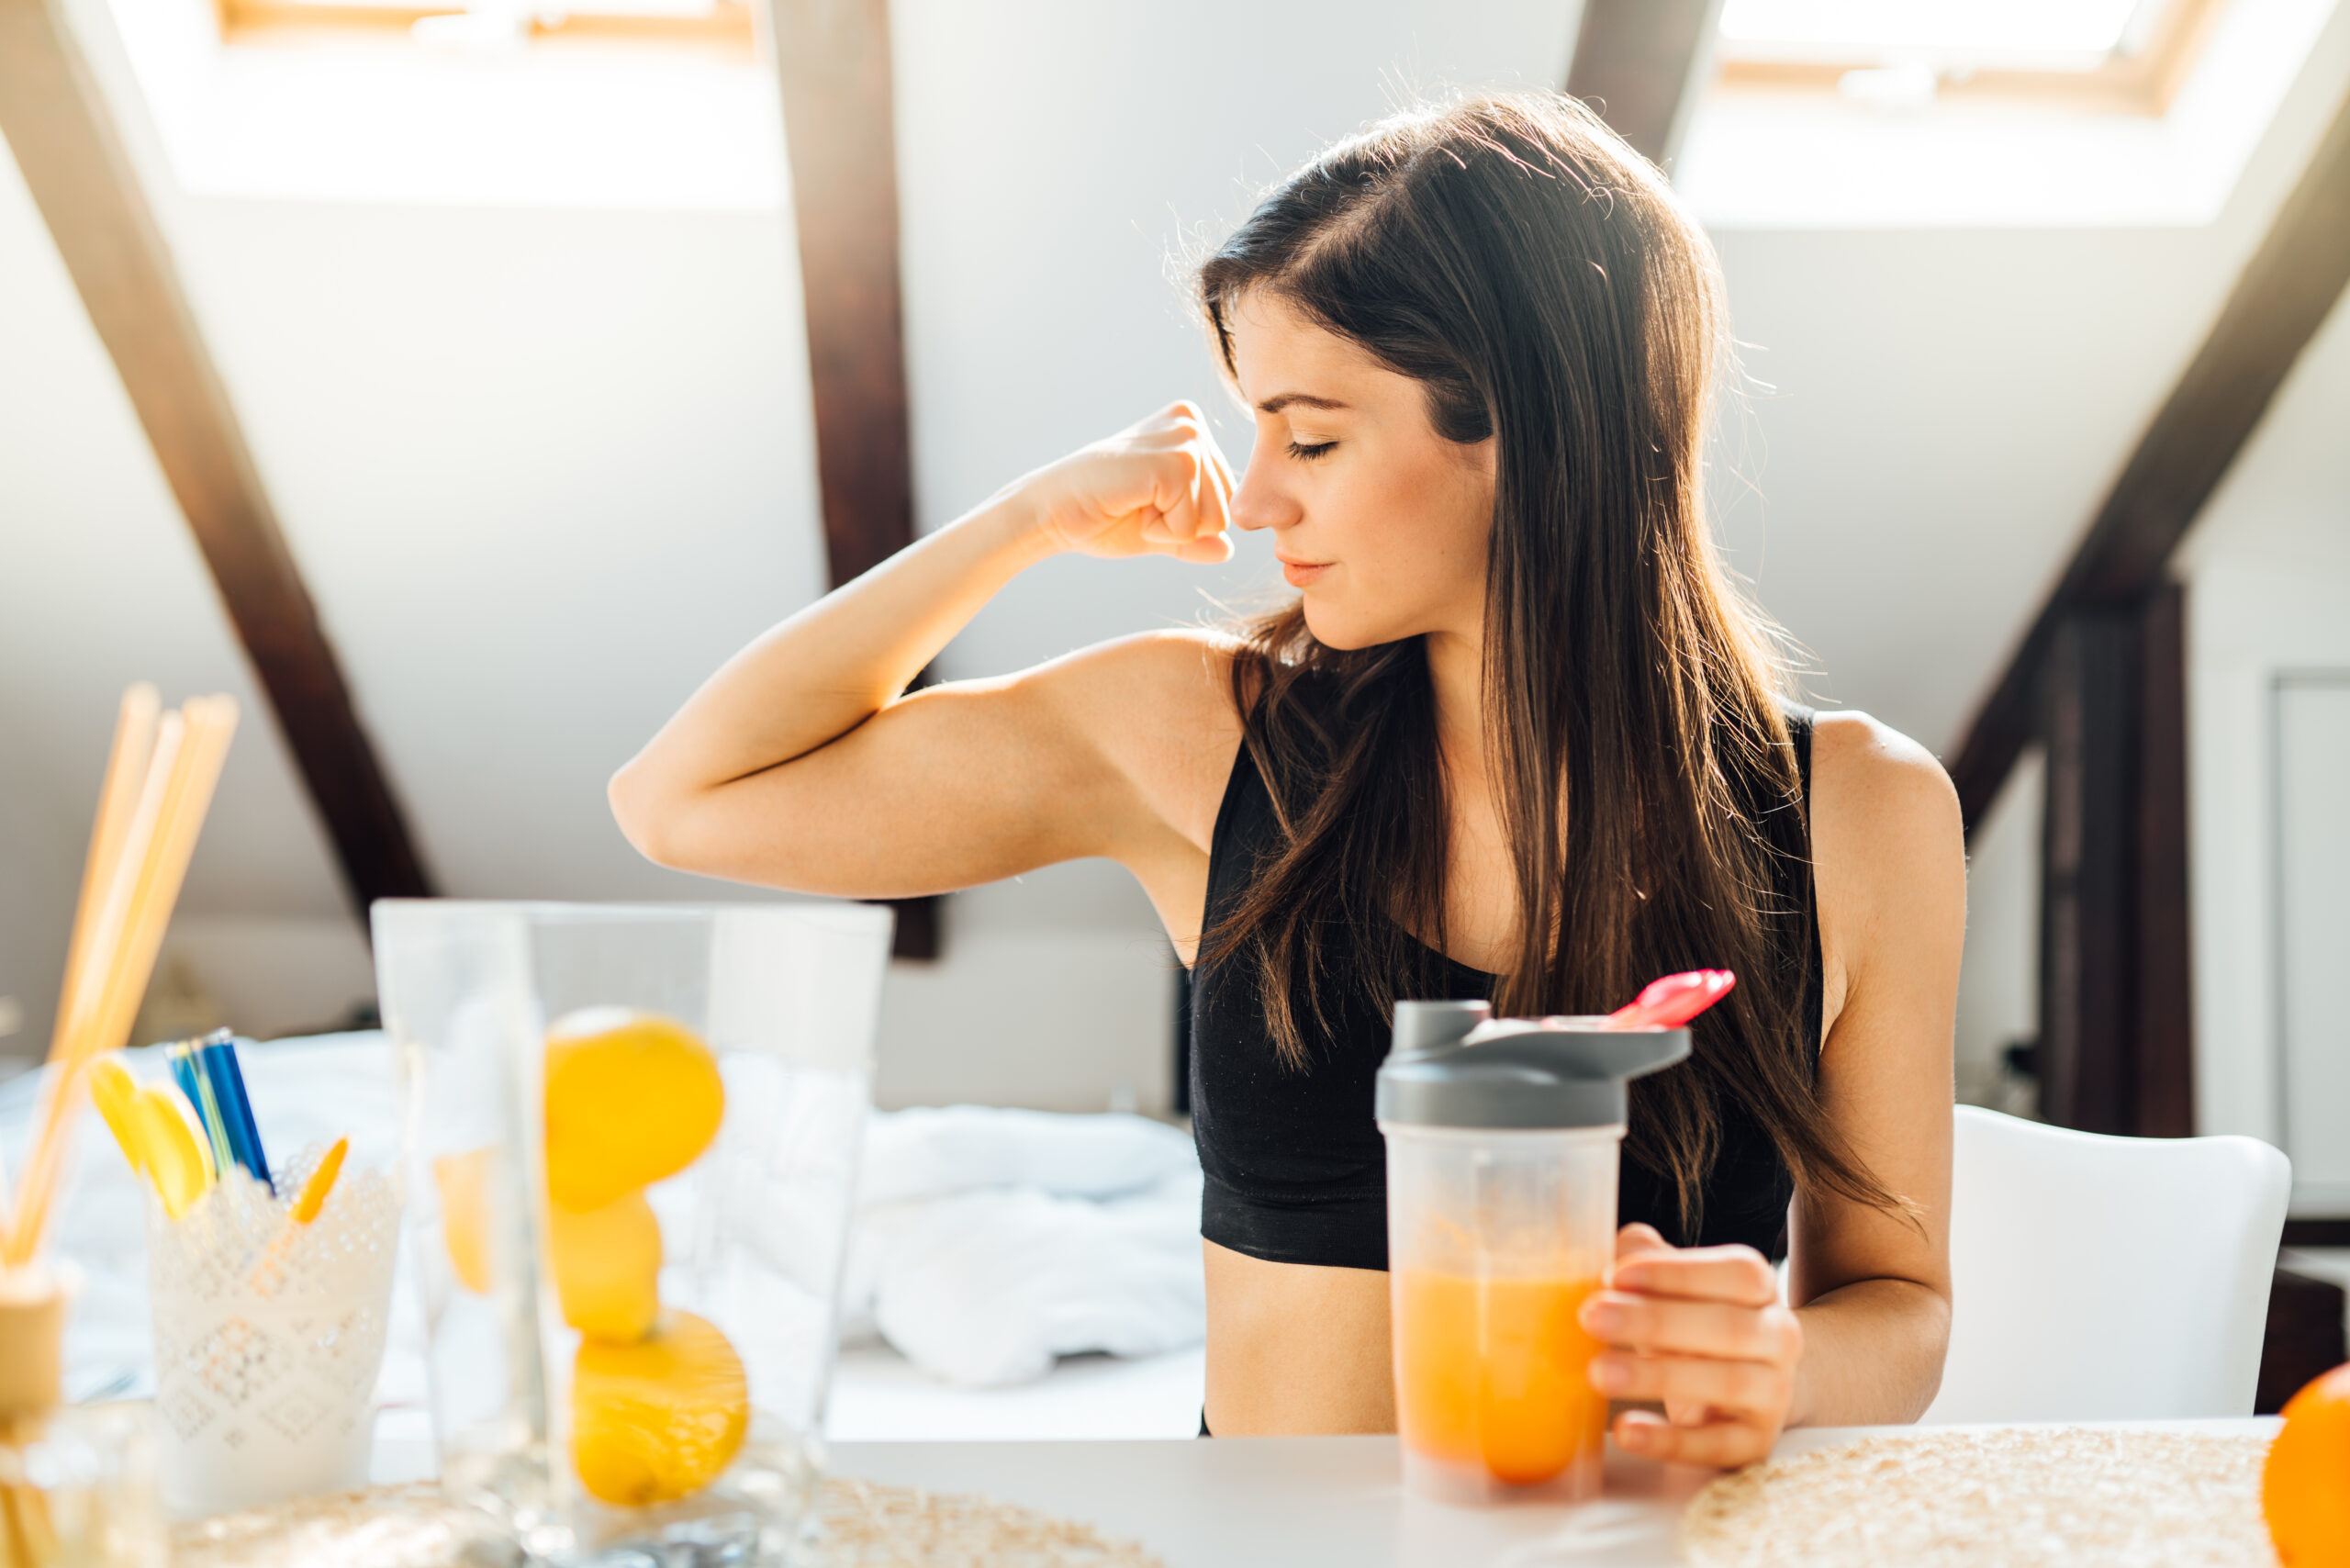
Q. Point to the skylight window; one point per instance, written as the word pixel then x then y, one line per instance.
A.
pixel 2125 56
pixel 2058 33
pixel 1972 113
pixel 639 104
pixel 486 24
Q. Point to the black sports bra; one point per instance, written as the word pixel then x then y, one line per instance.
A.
pixel 1296 1168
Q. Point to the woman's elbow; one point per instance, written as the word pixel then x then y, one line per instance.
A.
pixel 1932 1317
pixel 648 816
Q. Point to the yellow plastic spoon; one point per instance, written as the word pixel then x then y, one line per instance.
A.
pixel 153 1134
pixel 116 1094
pixel 307 1205
pixel 177 1162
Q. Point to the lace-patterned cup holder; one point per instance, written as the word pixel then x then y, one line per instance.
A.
pixel 269 1335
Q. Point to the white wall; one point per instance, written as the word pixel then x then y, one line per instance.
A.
pixel 2310 863
pixel 32 944
pixel 1998 980
pixel 2267 570
pixel 1055 994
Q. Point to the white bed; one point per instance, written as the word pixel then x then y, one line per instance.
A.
pixel 311 1091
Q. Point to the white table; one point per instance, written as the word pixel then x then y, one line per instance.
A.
pixel 1307 1502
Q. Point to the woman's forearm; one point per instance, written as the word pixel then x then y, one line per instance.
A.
pixel 1872 1354
pixel 827 669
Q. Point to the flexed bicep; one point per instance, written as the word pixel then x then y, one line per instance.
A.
pixel 972 781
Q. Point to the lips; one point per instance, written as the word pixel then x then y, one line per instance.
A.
pixel 1302 574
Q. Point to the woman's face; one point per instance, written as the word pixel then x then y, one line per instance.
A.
pixel 1380 521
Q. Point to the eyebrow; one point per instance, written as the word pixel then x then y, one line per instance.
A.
pixel 1274 405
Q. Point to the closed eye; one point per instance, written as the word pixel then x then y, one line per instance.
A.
pixel 1309 454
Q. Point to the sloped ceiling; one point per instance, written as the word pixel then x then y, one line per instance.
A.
pixel 543 470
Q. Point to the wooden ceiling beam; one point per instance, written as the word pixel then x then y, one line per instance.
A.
pixel 1637 61
pixel 833 58
pixel 71 151
pixel 2279 301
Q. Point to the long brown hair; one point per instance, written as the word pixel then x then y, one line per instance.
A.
pixel 1534 274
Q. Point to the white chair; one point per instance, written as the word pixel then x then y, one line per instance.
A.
pixel 2099 1278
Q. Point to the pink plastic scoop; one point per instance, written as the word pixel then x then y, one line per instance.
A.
pixel 1672 1002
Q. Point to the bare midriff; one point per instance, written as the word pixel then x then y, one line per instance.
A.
pixel 1295 1348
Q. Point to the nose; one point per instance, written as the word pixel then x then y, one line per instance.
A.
pixel 1259 501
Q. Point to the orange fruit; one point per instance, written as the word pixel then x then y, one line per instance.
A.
pixel 2305 1486
pixel 632 1098
pixel 658 1420
pixel 607 1268
pixel 463 1181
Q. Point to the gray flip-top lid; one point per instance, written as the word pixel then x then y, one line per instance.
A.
pixel 1453 1064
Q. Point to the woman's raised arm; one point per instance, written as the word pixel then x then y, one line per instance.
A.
pixel 800 765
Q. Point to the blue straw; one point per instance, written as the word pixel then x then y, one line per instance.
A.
pixel 197 1088
pixel 228 1085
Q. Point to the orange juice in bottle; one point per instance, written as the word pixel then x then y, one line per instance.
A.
pixel 1502 1153
pixel 1491 1374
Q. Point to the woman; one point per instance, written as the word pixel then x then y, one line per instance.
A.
pixel 1516 738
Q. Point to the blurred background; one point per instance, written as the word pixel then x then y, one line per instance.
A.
pixel 508 363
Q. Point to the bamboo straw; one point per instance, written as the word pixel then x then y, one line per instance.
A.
pixel 114 902
pixel 120 798
pixel 187 794
pixel 126 777
pixel 112 905
pixel 151 865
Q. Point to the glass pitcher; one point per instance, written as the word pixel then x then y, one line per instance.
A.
pixel 631 1136
pixel 1502 1138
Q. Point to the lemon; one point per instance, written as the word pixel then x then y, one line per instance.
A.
pixel 630 1098
pixel 463 1181
pixel 607 1268
pixel 658 1420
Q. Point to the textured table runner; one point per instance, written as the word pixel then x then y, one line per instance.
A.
pixel 865 1526
pixel 2018 1498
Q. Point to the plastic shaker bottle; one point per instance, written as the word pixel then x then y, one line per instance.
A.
pixel 1502 1137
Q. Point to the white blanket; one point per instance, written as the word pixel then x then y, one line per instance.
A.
pixel 989 1242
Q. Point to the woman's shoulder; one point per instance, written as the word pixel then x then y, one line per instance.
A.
pixel 1887 841
pixel 1878 792
pixel 1859 753
pixel 1158 707
pixel 1185 671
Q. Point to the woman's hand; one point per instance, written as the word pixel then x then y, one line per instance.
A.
pixel 1160 487
pixel 1703 1331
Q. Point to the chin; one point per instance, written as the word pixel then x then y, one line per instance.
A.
pixel 1333 629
